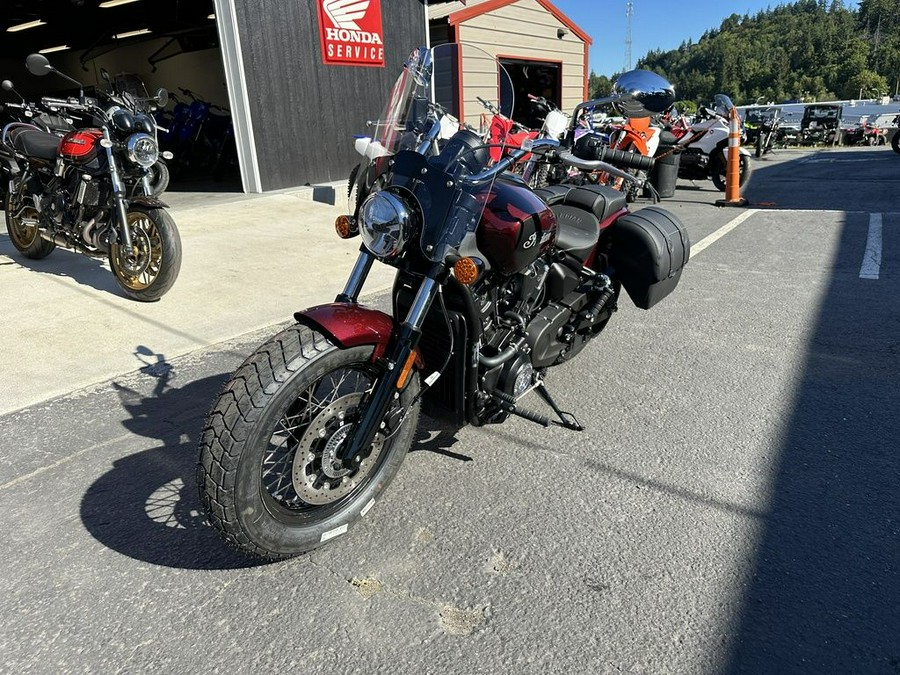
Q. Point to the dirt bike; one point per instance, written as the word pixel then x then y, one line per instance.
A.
pixel 69 192
pixel 633 142
pixel 496 284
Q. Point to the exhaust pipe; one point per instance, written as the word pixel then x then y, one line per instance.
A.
pixel 57 239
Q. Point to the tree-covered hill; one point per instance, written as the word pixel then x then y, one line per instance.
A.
pixel 808 50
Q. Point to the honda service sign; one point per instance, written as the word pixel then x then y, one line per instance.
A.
pixel 351 32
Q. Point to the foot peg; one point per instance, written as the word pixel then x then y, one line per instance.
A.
pixel 566 419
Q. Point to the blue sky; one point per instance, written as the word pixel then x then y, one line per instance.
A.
pixel 657 24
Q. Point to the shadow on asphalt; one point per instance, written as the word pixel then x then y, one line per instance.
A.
pixel 86 271
pixel 821 180
pixel 825 592
pixel 148 507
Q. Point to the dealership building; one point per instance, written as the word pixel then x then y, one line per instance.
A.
pixel 300 78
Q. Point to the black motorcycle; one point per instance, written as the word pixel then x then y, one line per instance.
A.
pixel 768 130
pixel 496 284
pixel 69 192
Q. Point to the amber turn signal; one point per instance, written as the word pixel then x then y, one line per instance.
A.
pixel 466 271
pixel 407 369
pixel 345 227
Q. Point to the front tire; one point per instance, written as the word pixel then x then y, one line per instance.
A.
pixel 717 172
pixel 148 270
pixel 267 476
pixel 895 141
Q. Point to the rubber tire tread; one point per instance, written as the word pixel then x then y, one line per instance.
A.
pixel 719 181
pixel 241 405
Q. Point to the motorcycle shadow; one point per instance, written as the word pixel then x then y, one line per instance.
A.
pixel 147 506
pixel 91 272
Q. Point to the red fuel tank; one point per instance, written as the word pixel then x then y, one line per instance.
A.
pixel 516 226
pixel 81 145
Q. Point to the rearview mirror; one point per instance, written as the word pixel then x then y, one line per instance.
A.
pixel 37 64
pixel 7 85
pixel 162 97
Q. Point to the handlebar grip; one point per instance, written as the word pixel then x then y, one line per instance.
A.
pixel 631 160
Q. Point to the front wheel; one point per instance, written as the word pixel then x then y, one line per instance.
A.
pixel 895 141
pixel 760 145
pixel 269 475
pixel 720 167
pixel 149 268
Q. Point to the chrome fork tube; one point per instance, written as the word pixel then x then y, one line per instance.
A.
pixel 416 314
pixel 118 191
pixel 357 277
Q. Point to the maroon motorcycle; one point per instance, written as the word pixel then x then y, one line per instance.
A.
pixel 495 285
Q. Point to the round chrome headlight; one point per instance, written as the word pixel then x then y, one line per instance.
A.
pixel 385 223
pixel 142 150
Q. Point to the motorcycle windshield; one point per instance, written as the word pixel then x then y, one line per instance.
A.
pixel 434 131
pixel 723 105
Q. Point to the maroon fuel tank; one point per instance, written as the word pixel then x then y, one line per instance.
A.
pixel 516 226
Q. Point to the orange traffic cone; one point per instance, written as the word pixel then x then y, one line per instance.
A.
pixel 733 170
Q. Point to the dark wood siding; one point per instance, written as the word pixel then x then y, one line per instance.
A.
pixel 304 113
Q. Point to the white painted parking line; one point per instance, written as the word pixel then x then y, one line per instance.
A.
pixel 721 232
pixel 871 264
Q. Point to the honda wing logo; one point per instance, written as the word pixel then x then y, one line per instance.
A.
pixel 344 13
pixel 351 32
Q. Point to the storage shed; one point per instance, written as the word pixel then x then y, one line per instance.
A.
pixel 544 52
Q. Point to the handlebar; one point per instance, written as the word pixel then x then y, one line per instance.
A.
pixel 599 165
pixel 590 148
pixel 539 144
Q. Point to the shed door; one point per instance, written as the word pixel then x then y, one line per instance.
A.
pixel 538 78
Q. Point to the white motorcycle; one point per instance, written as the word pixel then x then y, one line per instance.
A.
pixel 704 146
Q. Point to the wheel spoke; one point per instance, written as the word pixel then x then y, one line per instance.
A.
pixel 289 436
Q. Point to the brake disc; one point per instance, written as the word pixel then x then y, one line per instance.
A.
pixel 317 475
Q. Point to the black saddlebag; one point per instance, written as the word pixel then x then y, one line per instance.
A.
pixel 649 249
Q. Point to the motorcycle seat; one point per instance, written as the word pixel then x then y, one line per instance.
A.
pixel 579 210
pixel 35 143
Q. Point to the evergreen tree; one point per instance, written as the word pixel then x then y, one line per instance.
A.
pixel 807 50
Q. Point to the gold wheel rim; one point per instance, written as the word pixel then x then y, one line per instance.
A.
pixel 139 267
pixel 23 235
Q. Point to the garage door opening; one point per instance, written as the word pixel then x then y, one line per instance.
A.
pixel 138 47
pixel 537 78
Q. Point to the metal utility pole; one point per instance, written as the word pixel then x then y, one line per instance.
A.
pixel 629 13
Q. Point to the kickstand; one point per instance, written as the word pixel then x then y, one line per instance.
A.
pixel 567 419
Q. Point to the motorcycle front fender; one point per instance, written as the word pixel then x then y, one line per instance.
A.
pixel 148 201
pixel 351 325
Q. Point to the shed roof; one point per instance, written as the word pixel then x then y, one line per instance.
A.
pixel 462 10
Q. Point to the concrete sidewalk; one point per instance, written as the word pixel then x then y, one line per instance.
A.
pixel 249 261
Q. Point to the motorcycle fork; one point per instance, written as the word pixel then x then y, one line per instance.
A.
pixel 386 387
pixel 118 192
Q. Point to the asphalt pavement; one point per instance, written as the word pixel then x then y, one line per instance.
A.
pixel 730 508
